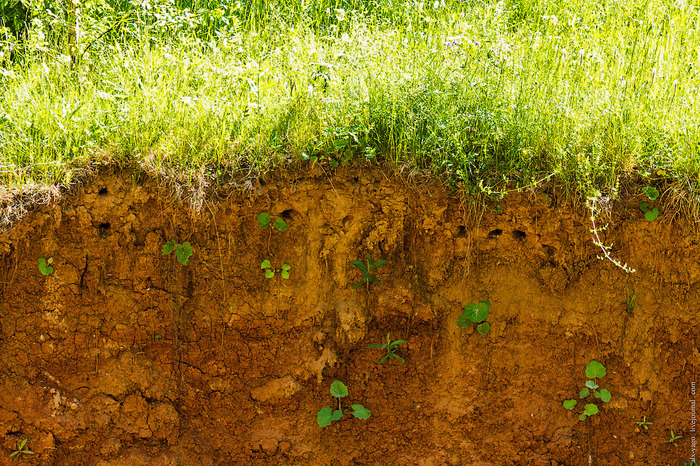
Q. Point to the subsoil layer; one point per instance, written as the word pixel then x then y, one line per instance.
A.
pixel 124 356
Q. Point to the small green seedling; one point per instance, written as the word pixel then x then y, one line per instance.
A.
pixel 390 347
pixel 649 213
pixel 327 415
pixel 45 266
pixel 631 303
pixel 594 370
pixel 367 277
pixel 475 314
pixel 182 251
pixel 674 438
pixel 644 423
pixel 264 220
pixel 270 272
pixel 21 452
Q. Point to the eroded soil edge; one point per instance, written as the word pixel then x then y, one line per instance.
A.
pixel 124 356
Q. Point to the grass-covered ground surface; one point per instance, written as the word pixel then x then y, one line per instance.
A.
pixel 485 94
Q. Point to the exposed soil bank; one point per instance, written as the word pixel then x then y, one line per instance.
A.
pixel 123 356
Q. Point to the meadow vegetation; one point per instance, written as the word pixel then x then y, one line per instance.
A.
pixel 486 94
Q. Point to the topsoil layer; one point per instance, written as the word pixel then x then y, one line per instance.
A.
pixel 124 356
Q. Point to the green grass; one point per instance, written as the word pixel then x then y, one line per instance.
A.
pixel 486 94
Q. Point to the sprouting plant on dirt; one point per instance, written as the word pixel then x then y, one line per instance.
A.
pixel 22 451
pixel 674 438
pixel 594 371
pixel 266 265
pixel 45 265
pixel 327 415
pixel 631 303
pixel 390 347
pixel 183 251
pixel 650 212
pixel 475 314
pixel 264 220
pixel 366 268
pixel 643 423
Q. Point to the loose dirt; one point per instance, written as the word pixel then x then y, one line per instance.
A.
pixel 124 356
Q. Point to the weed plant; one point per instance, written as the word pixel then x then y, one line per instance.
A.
pixel 485 93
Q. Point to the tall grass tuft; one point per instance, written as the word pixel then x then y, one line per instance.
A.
pixel 483 93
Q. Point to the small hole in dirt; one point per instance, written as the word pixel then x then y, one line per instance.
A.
pixel 105 226
pixel 461 231
pixel 519 234
pixel 288 214
pixel 103 192
pixel 495 233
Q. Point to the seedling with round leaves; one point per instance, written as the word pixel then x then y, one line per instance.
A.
pixel 264 221
pixel 326 415
pixel 183 251
pixel 390 347
pixel 366 268
pixel 475 314
pixel 270 272
pixel 21 452
pixel 45 265
pixel 650 212
pixel 594 371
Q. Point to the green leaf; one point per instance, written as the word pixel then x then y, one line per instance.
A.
pixel 24 442
pixel 463 320
pixel 265 264
pixel 591 384
pixel 377 265
pixel 168 247
pixel 398 358
pixel 651 192
pixel 396 343
pixel 360 412
pixel 383 360
pixel 570 404
pixel 590 409
pixel 358 285
pixel 269 273
pixel 286 267
pixel 264 219
pixel 337 414
pixel 333 163
pixel 324 417
pixel 483 328
pixel 377 345
pixel 338 389
pixel 595 370
pixel 584 393
pixel 183 252
pixel 43 268
pixel 477 312
pixel 285 275
pixel 582 417
pixel 605 395
pixel 644 206
pixel 281 225
pixel 359 265
pixel 14 453
pixel 651 215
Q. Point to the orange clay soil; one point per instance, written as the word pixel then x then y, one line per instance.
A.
pixel 123 356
